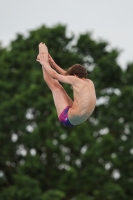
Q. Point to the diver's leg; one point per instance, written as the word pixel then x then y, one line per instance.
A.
pixel 61 98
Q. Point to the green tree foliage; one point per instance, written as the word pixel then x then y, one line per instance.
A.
pixel 39 158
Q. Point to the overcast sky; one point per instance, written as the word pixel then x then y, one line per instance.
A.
pixel 110 20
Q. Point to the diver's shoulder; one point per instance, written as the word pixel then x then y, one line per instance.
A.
pixel 89 81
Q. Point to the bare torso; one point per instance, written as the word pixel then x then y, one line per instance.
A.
pixel 84 101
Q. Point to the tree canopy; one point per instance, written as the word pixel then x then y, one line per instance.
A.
pixel 40 159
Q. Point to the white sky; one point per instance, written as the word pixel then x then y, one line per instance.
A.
pixel 110 20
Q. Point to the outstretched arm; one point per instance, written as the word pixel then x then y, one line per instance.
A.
pixel 62 78
pixel 55 66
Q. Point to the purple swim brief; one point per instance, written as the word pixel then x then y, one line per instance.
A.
pixel 63 118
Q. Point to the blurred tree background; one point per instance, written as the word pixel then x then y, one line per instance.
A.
pixel 39 158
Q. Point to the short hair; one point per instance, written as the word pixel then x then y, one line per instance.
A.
pixel 77 70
